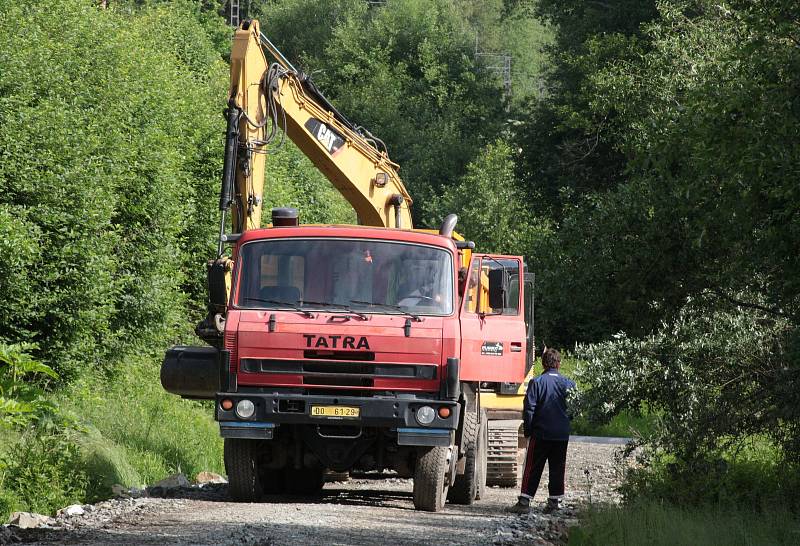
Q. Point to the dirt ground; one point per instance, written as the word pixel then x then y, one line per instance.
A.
pixel 363 511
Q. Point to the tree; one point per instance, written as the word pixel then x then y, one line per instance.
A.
pixel 490 205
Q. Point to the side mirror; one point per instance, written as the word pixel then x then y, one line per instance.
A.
pixel 217 277
pixel 498 288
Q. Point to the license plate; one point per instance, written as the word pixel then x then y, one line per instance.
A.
pixel 335 411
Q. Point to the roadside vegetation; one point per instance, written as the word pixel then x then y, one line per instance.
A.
pixel 663 155
pixel 645 163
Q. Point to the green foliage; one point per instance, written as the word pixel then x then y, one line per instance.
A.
pixel 666 150
pixel 669 153
pixel 750 475
pixel 110 150
pixel 406 71
pixel 99 164
pixel 21 398
pixel 137 433
pixel 208 13
pixel 44 471
pixel 101 432
pixel 491 205
pixel 39 459
pixel 669 525
pixel 715 379
pixel 292 181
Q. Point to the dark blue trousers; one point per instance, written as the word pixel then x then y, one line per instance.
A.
pixel 552 452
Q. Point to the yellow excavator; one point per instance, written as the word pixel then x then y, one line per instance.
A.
pixel 270 100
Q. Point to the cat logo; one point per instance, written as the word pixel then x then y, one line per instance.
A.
pixel 330 139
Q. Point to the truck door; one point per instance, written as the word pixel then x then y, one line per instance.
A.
pixel 493 333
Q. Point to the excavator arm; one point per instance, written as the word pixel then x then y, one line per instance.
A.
pixel 267 98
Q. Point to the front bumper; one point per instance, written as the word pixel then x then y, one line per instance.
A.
pixel 394 413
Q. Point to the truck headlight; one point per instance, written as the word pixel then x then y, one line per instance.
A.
pixel 245 409
pixel 425 415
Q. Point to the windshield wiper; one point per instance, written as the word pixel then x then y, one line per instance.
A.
pixel 347 308
pixel 389 306
pixel 294 305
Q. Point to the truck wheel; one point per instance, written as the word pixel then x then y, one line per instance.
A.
pixel 244 483
pixel 465 487
pixel 430 479
pixel 483 457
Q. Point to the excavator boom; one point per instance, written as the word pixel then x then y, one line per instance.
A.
pixel 269 98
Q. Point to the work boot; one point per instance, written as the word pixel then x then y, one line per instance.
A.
pixel 553 505
pixel 523 506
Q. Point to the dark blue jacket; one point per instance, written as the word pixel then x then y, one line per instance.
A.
pixel 544 413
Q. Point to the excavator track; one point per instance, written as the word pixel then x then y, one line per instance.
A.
pixel 503 453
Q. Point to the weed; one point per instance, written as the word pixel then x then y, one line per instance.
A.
pixel 655 523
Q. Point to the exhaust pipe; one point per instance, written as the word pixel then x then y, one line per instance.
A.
pixel 396 200
pixel 448 225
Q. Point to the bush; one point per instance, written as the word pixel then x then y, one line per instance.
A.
pixel 100 168
pixel 715 380
pixel 123 430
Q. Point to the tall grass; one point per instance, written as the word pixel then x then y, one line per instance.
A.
pixel 653 523
pixel 138 433
pixel 105 431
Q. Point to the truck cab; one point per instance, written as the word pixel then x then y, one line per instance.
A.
pixel 356 348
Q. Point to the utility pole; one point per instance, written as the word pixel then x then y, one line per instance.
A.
pixel 234 16
pixel 497 63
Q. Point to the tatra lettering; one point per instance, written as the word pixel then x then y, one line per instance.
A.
pixel 332 342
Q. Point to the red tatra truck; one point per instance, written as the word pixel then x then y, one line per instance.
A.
pixel 345 347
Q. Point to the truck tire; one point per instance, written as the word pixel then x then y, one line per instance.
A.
pixel 430 479
pixel 244 483
pixel 483 455
pixel 465 487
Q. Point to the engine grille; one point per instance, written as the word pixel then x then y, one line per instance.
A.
pixel 338 372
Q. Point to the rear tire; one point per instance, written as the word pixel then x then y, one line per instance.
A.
pixel 465 487
pixel 430 479
pixel 241 464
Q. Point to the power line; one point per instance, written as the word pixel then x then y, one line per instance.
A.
pixel 498 63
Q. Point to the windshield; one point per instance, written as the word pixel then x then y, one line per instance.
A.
pixel 368 276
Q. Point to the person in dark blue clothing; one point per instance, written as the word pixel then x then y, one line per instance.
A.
pixel 547 425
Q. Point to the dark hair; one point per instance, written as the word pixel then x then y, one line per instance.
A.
pixel 551 358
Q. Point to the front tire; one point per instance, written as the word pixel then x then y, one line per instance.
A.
pixel 241 464
pixel 430 479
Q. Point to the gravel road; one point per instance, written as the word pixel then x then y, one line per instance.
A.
pixel 363 511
